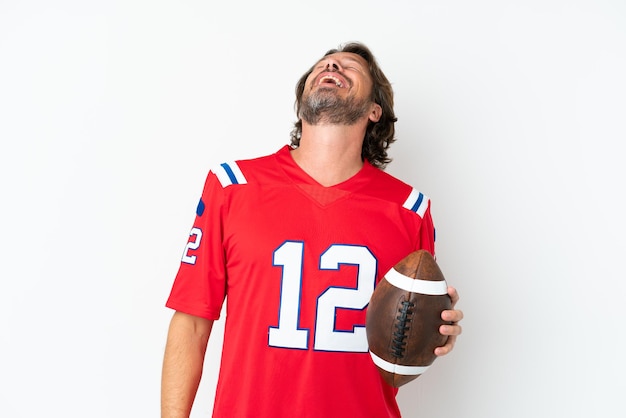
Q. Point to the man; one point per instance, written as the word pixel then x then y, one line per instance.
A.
pixel 297 241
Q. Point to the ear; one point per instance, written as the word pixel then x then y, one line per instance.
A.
pixel 375 113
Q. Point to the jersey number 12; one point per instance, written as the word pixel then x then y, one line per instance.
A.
pixel 288 334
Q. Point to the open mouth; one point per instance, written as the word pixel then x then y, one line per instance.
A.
pixel 329 79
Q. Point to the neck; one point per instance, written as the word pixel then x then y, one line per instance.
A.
pixel 330 154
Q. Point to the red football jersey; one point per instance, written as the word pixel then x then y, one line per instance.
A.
pixel 297 263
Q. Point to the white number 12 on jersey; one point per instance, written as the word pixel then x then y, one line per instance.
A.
pixel 327 338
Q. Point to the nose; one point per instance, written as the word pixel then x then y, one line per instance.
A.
pixel 332 65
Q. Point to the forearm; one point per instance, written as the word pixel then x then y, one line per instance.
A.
pixel 182 364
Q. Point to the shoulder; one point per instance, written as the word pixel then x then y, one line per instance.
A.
pixel 242 172
pixel 384 186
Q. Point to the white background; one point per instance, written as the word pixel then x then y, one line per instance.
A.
pixel 511 118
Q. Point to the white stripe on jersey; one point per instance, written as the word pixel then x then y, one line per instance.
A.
pixel 417 202
pixel 229 173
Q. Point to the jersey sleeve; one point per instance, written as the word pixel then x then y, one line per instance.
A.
pixel 199 288
pixel 426 239
pixel 420 204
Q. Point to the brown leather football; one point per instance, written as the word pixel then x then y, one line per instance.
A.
pixel 403 318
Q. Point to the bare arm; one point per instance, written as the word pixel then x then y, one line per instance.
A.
pixel 182 363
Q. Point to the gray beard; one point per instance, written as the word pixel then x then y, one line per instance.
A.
pixel 325 107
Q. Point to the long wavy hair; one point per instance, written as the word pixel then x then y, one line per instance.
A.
pixel 379 135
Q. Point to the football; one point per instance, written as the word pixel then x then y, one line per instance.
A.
pixel 403 318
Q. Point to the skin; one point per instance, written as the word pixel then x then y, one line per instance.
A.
pixel 453 330
pixel 330 152
pixel 187 340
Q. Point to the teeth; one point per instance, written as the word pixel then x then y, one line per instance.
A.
pixel 333 79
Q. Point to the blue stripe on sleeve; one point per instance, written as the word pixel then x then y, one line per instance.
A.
pixel 230 173
pixel 418 202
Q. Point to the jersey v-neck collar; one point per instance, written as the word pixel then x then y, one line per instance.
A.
pixel 296 174
pixel 322 195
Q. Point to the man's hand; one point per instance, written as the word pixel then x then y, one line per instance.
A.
pixel 453 330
